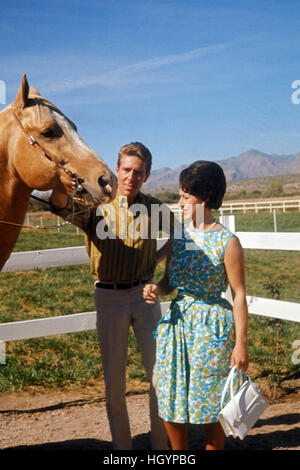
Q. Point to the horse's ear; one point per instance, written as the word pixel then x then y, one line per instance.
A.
pixel 33 91
pixel 21 100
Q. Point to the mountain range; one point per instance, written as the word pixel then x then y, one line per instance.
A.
pixel 250 164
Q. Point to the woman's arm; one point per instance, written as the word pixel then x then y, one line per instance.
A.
pixel 235 269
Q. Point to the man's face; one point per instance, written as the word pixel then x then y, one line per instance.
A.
pixel 131 175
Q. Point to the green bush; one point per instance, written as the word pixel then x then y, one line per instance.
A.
pixel 274 189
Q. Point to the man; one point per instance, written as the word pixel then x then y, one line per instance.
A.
pixel 122 259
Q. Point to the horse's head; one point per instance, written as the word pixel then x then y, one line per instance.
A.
pixel 58 137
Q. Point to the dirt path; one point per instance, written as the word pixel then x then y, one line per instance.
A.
pixel 77 420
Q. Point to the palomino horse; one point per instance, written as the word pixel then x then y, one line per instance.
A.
pixel 56 156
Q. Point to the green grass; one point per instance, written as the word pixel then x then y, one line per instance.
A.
pixel 30 240
pixel 73 360
pixel 270 266
pixel 53 362
pixel 264 222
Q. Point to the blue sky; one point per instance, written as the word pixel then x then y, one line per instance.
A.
pixel 190 79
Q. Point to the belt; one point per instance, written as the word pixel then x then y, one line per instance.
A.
pixel 119 285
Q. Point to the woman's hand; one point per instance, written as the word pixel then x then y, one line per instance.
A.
pixel 239 357
pixel 150 293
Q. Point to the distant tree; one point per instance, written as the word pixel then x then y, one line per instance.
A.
pixel 242 194
pixel 274 188
pixel 167 197
pixel 255 193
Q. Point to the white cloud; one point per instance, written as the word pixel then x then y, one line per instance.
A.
pixel 120 75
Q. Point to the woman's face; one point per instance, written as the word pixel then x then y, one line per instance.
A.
pixel 192 207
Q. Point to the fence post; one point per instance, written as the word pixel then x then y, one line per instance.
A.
pixel 2 352
pixel 274 219
pixel 228 221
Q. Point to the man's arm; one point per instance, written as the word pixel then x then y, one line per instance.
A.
pixel 68 209
pixel 162 252
pixel 152 291
pixel 59 199
pixel 168 215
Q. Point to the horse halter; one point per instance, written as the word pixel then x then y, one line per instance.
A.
pixel 78 188
pixel 32 141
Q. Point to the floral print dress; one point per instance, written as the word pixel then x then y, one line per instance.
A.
pixel 195 337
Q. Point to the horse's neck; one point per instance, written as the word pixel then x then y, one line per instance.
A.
pixel 14 194
pixel 13 205
pixel 14 197
pixel 5 133
pixel 13 202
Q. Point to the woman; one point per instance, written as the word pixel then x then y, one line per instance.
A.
pixel 195 346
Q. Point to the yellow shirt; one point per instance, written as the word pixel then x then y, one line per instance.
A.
pixel 121 240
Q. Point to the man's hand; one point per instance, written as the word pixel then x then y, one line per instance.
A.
pixel 59 197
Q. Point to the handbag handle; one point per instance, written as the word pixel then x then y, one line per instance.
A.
pixel 229 382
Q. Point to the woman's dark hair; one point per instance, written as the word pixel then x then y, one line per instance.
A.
pixel 205 180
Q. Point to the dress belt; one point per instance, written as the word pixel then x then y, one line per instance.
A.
pixel 119 285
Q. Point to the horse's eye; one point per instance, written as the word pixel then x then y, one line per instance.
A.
pixel 48 133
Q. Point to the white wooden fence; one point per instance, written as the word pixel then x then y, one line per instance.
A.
pixel 269 205
pixel 76 322
pixel 245 206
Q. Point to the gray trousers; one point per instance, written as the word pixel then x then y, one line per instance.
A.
pixel 117 310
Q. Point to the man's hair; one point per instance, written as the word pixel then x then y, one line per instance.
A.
pixel 205 180
pixel 136 149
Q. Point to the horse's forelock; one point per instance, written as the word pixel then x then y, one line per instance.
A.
pixel 63 121
pixel 39 101
pixel 57 112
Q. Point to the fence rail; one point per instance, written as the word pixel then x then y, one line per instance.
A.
pixel 261 205
pixel 76 322
pixel 256 206
pixel 27 260
pixel 86 321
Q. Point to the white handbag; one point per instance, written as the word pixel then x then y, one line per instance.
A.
pixel 240 414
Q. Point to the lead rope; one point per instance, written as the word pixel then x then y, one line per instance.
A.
pixel 69 221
